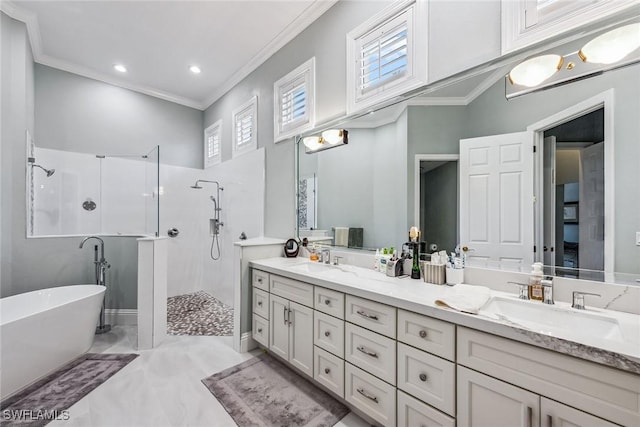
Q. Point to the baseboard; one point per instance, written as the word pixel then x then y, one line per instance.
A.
pixel 247 343
pixel 121 316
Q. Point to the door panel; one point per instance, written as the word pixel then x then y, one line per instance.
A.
pixel 496 197
pixel 279 327
pixel 301 337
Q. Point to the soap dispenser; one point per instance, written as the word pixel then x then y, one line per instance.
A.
pixel 536 291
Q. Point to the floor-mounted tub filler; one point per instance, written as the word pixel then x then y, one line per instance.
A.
pixel 42 330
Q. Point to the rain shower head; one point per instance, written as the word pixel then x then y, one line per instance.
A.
pixel 197 184
pixel 49 172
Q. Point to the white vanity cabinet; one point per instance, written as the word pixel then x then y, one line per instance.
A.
pixel 534 385
pixel 291 322
pixel 260 307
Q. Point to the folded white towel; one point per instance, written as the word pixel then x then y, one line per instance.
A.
pixel 465 298
pixel 341 236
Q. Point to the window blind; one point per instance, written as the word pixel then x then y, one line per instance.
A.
pixel 293 102
pixel 383 58
pixel 244 127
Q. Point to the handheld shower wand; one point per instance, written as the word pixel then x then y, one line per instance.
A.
pixel 214 223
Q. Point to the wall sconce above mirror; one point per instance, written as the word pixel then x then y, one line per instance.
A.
pixel 328 139
pixel 607 51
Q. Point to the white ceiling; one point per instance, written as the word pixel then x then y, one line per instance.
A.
pixel 158 40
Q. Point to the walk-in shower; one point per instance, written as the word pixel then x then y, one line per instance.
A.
pixel 214 223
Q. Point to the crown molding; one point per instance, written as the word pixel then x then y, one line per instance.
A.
pixel 306 18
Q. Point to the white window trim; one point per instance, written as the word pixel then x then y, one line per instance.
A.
pixel 211 130
pixel 417 54
pixel 516 35
pixel 308 69
pixel 252 104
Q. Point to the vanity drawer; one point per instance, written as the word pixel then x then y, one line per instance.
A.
pixel 329 371
pixel 596 389
pixel 412 413
pixel 260 279
pixel 427 377
pixel 372 315
pixel 372 352
pixel 292 290
pixel 328 301
pixel 261 302
pixel 428 334
pixel 370 395
pixel 328 333
pixel 260 330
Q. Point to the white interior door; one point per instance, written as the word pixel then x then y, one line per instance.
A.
pixel 549 201
pixel 496 197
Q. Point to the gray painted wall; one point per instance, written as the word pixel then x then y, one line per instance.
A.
pixel 324 39
pixel 70 112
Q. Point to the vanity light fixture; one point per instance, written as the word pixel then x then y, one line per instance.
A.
pixel 195 69
pixel 612 46
pixel 120 68
pixel 616 48
pixel 535 70
pixel 329 139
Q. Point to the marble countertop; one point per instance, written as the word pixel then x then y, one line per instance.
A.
pixel 420 297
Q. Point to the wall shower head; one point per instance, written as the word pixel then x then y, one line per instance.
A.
pixel 196 186
pixel 49 172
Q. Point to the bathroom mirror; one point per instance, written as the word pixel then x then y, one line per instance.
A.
pixel 372 182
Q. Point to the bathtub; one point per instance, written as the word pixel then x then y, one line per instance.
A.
pixel 43 330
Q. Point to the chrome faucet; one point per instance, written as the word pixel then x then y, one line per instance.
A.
pixel 325 255
pixel 523 290
pixel 577 299
pixel 101 265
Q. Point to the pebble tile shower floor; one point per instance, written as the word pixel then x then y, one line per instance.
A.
pixel 198 313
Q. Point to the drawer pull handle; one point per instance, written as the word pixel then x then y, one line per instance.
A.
pixel 327 302
pixel 423 334
pixel 327 370
pixel 260 303
pixel 367 395
pixel 423 377
pixel 259 279
pixel 259 330
pixel 285 315
pixel 368 316
pixel 549 420
pixel 362 349
pixel 327 333
pixel 529 416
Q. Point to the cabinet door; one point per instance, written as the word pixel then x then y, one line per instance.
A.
pixel 279 326
pixel 558 415
pixel 486 402
pixel 301 337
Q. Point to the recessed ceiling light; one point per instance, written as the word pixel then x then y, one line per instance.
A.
pixel 120 68
pixel 195 69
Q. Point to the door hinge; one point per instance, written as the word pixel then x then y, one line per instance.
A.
pixel 534 148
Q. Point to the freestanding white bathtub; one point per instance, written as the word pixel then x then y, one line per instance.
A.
pixel 43 330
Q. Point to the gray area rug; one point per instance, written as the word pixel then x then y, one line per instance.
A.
pixel 50 397
pixel 198 314
pixel 264 392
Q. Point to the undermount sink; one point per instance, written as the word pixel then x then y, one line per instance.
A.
pixel 551 318
pixel 313 267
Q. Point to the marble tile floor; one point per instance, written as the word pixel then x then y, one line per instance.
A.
pixel 162 387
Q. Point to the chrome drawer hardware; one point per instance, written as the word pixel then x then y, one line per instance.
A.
pixel 327 333
pixel 362 349
pixel 368 316
pixel 285 315
pixel 423 377
pixel 259 330
pixel 367 395
pixel 423 334
pixel 327 302
pixel 260 303
pixel 327 370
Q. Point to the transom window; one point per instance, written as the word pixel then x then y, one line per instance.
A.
pixel 245 120
pixel 294 101
pixel 212 144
